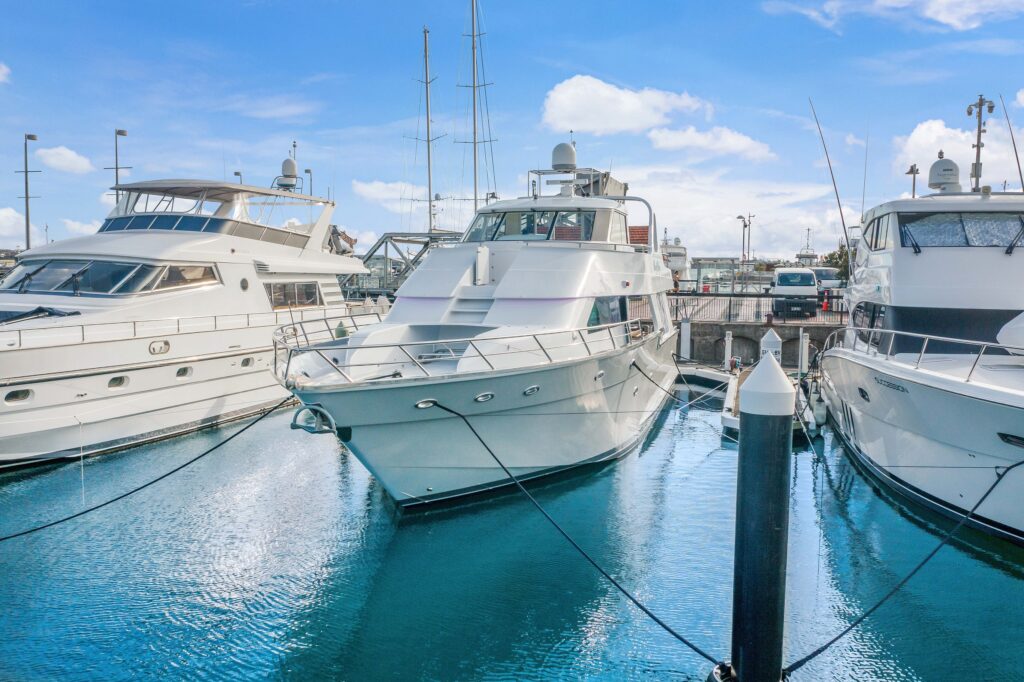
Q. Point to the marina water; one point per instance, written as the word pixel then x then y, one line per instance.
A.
pixel 278 556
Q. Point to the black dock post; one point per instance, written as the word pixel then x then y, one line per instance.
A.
pixel 767 400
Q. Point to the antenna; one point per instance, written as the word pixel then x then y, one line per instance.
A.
pixel 1014 141
pixel 864 187
pixel 978 109
pixel 835 188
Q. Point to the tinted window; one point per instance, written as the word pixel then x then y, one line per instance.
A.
pixel 529 225
pixel 185 275
pixel 45 278
pixel 141 280
pixel 100 277
pixel 573 226
pixel 293 294
pixel 607 310
pixel 483 227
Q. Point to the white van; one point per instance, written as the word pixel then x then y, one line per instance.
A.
pixel 828 278
pixel 795 282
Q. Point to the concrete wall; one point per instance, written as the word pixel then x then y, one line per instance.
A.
pixel 707 340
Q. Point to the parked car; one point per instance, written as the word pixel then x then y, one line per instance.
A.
pixel 796 291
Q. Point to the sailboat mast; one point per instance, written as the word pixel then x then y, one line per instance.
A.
pixel 476 174
pixel 430 168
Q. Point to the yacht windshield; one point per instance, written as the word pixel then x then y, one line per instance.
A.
pixel 571 225
pixel 960 229
pixel 79 277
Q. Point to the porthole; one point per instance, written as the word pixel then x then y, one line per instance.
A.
pixel 426 404
pixel 18 396
pixel 244 284
pixel 530 390
pixel 183 372
pixel 484 397
pixel 246 362
pixel 599 375
pixel 117 382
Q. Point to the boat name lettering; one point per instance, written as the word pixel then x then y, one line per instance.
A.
pixel 889 384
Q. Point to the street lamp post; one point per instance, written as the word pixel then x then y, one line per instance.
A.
pixel 29 137
pixel 309 172
pixel 117 167
pixel 238 174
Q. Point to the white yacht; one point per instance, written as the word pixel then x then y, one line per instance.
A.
pixel 162 321
pixel 926 385
pixel 538 326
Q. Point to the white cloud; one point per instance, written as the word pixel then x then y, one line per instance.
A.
pixel 853 141
pixel 717 141
pixel 957 15
pixel 5 73
pixel 700 208
pixel 108 199
pixel 64 159
pixel 12 229
pixel 283 107
pixel 392 196
pixel 922 145
pixel 1019 101
pixel 589 105
pixel 75 227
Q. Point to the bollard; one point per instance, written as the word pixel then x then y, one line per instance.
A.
pixel 683 344
pixel 771 344
pixel 762 522
pixel 805 351
pixel 726 364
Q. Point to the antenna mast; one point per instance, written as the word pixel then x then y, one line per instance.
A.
pixel 430 168
pixel 981 105
pixel 476 173
pixel 1014 141
pixel 835 188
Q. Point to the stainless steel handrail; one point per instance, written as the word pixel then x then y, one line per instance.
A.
pixel 835 340
pixel 287 340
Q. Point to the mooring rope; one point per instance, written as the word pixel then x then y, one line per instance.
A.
pixel 650 614
pixel 159 478
pixel 796 665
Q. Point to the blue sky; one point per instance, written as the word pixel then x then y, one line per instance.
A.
pixel 701 107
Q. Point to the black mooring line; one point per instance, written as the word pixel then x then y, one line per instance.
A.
pixel 696 649
pixel 159 478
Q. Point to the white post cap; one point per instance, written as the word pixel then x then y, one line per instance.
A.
pixel 768 391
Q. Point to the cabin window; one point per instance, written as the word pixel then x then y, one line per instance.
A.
pixel 140 280
pixel 186 275
pixel 18 396
pixel 183 373
pixel 608 310
pixel 99 277
pixel 43 275
pixel 246 362
pixel 532 225
pixel 284 295
pixel 117 382
pixel 961 229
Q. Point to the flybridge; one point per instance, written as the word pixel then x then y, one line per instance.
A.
pixel 270 215
pixel 586 182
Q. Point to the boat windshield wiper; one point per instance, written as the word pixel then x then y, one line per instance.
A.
pixel 1016 240
pixel 23 284
pixel 905 229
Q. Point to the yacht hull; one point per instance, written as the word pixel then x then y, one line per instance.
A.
pixel 583 411
pixel 936 445
pixel 86 418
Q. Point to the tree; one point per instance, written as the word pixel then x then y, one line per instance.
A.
pixel 838 259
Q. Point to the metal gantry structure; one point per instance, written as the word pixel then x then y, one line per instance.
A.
pixel 392 277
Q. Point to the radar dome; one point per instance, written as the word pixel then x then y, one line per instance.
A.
pixel 944 175
pixel 563 157
pixel 289 175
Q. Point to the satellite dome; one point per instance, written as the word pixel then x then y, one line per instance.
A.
pixel 289 175
pixel 563 157
pixel 944 175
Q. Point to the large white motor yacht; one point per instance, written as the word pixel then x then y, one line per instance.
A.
pixel 926 385
pixel 162 321
pixel 539 326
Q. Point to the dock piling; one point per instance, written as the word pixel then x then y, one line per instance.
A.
pixel 762 523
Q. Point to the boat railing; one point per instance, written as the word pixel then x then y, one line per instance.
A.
pixel 325 346
pixel 872 340
pixel 73 334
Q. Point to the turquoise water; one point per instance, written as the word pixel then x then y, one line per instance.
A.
pixel 277 556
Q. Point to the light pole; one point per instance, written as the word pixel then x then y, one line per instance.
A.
pixel 29 137
pixel 118 132
pixel 309 172
pixel 238 174
pixel 747 222
pixel 913 173
pixel 973 109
